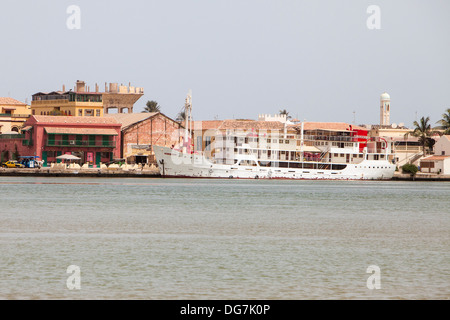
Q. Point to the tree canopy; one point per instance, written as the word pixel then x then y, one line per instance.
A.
pixel 152 106
pixel 424 132
pixel 445 122
pixel 285 112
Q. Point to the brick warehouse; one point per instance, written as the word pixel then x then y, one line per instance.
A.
pixel 94 140
pixel 141 131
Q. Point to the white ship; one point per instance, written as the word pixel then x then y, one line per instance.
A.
pixel 314 152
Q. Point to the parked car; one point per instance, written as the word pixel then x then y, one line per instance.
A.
pixel 12 164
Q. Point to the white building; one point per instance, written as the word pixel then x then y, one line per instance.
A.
pixel 277 117
pixel 385 109
pixel 435 164
pixel 442 146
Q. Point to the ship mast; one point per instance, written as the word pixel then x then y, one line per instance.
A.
pixel 188 122
pixel 301 142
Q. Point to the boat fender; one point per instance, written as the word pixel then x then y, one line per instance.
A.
pixel 256 177
pixel 210 171
pixel 231 177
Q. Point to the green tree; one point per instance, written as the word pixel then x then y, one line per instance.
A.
pixel 410 168
pixel 424 132
pixel 445 122
pixel 152 106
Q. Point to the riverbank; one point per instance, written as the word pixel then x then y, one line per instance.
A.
pixel 88 172
pixel 420 176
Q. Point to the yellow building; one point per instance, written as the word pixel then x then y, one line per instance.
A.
pixel 13 114
pixel 80 102
pixel 83 102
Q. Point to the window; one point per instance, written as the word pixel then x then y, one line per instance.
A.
pixel 207 143
pixel 97 113
pixel 80 112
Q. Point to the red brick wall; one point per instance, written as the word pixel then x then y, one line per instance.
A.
pixel 157 130
pixel 10 146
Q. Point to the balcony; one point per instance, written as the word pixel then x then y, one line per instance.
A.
pixel 49 102
pixel 78 143
pixel 12 115
pixel 12 136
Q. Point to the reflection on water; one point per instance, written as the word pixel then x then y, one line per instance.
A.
pixel 223 239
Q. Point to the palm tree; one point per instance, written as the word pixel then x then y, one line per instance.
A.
pixel 424 132
pixel 445 122
pixel 152 106
pixel 285 112
pixel 181 116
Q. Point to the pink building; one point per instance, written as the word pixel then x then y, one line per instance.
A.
pixel 93 139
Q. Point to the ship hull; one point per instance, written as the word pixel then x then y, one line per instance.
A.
pixel 172 163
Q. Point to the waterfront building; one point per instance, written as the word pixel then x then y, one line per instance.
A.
pixel 83 102
pixel 140 131
pixel 406 148
pixel 438 164
pixel 13 114
pixel 94 140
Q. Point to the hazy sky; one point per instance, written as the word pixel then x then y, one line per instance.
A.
pixel 317 59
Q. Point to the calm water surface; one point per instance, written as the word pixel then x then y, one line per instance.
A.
pixel 223 239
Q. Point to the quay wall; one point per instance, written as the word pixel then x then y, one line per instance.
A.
pixel 419 176
pixel 50 172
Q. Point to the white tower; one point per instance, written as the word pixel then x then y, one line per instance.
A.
pixel 385 108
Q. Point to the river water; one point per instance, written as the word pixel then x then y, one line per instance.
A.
pixel 154 238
